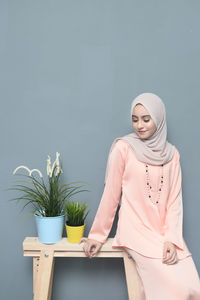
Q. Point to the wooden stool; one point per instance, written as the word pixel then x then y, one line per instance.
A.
pixel 43 264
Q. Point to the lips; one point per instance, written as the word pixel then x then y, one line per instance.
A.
pixel 141 131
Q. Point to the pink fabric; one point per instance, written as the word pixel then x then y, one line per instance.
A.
pixel 178 281
pixel 142 225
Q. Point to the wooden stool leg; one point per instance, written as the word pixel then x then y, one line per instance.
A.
pixel 51 281
pixel 44 278
pixel 36 262
pixel 132 278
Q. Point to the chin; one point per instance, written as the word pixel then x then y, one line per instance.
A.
pixel 144 137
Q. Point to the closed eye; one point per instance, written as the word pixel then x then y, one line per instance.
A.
pixel 144 121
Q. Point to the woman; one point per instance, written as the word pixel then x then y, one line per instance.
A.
pixel 144 169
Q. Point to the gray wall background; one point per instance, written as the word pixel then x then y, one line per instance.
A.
pixel 68 73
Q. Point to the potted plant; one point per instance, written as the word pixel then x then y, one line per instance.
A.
pixel 75 224
pixel 48 200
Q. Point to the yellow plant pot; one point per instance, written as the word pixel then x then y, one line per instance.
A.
pixel 74 233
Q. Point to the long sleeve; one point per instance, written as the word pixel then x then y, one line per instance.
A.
pixel 112 191
pixel 174 215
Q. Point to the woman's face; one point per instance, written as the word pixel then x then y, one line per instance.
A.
pixel 142 122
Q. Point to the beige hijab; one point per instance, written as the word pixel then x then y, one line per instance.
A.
pixel 155 150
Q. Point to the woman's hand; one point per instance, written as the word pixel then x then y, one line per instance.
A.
pixel 169 253
pixel 91 247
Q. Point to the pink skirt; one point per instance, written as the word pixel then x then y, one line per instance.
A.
pixel 178 281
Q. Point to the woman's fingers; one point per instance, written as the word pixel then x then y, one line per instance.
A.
pixel 83 240
pixel 89 250
pixel 93 249
pixel 94 252
pixel 165 252
pixel 166 257
pixel 169 253
pixel 90 247
pixel 165 249
pixel 85 245
pixel 171 257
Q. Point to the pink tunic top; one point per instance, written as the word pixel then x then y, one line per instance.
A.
pixel 142 225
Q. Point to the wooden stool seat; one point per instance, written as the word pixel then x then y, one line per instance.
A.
pixel 43 264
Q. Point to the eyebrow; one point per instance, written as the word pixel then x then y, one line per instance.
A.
pixel 142 116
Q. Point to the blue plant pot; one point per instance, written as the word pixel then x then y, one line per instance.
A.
pixel 49 229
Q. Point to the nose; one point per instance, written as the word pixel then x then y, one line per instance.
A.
pixel 140 125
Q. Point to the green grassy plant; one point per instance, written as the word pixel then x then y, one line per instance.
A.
pixel 75 212
pixel 49 199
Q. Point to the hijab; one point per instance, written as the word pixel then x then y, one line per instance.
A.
pixel 155 150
